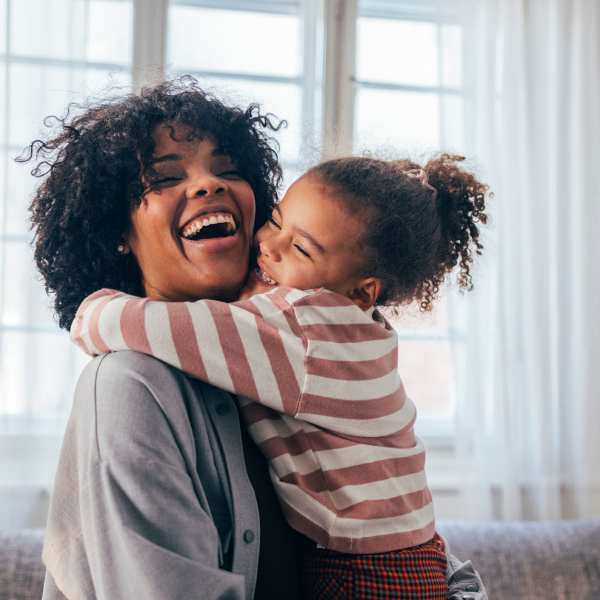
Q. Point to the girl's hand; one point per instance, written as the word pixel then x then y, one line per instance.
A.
pixel 254 285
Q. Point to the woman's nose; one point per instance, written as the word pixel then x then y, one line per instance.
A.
pixel 206 185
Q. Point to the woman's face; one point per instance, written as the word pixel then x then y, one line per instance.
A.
pixel 192 232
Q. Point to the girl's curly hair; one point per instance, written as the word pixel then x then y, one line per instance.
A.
pixel 420 222
pixel 93 170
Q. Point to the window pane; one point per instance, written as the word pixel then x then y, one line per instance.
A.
pixel 110 31
pixel 38 91
pixel 282 99
pixel 32 383
pixel 31 21
pixel 427 372
pixel 20 187
pixel 233 41
pixel 95 30
pixel 25 301
pixel 451 53
pixel 394 51
pixel 453 129
pixel 2 26
pixel 3 183
pixel 2 102
pixel 410 320
pixel 406 122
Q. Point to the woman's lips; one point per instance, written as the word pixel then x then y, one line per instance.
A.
pixel 217 244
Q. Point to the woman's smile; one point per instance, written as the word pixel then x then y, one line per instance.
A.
pixel 191 234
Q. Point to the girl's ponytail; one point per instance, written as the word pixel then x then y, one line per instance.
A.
pixel 460 203
pixel 420 223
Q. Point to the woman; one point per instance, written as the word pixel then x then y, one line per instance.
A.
pixel 159 493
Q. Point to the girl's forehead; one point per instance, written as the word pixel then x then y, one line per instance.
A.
pixel 310 205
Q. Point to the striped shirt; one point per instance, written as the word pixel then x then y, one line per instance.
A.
pixel 320 394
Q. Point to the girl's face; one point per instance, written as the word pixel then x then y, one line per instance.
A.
pixel 310 241
pixel 192 232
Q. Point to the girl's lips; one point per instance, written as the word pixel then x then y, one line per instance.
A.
pixel 264 274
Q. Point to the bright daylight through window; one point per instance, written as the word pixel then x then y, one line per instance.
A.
pixel 69 49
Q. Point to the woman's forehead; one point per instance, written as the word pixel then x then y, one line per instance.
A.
pixel 168 136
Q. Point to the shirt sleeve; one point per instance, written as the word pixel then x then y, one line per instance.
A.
pixel 126 520
pixel 313 354
pixel 254 348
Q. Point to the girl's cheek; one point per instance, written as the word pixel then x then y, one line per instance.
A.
pixel 260 234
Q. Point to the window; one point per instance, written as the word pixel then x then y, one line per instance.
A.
pixel 263 52
pixel 400 91
pixel 408 77
pixel 409 103
pixel 51 53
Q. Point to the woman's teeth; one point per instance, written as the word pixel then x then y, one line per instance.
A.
pixel 225 220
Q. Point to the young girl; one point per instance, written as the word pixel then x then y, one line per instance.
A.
pixel 315 364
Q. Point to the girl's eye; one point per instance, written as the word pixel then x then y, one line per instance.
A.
pixel 301 250
pixel 274 222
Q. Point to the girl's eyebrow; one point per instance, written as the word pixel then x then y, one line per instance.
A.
pixel 304 234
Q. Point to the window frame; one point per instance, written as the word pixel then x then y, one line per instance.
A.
pixel 331 23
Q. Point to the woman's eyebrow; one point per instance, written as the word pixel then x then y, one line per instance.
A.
pixel 219 153
pixel 304 234
pixel 165 158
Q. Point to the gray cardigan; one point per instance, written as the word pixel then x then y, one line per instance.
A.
pixel 151 471
pixel 151 498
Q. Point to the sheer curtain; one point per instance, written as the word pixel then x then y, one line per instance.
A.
pixel 529 397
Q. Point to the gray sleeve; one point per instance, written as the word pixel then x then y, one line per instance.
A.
pixel 126 520
pixel 464 582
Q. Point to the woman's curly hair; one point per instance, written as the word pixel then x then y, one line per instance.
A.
pixel 420 222
pixel 93 170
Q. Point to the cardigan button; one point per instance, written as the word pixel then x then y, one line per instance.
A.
pixel 248 536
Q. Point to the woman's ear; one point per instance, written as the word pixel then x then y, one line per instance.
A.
pixel 366 292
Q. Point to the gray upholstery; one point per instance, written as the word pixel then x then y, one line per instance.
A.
pixel 21 569
pixel 517 561
pixel 530 561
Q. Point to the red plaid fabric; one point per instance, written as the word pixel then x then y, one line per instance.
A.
pixel 417 573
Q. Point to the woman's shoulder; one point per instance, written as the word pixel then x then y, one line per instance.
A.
pixel 131 396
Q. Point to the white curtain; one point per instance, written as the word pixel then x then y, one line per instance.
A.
pixel 529 387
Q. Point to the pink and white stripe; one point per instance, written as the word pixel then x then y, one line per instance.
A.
pixel 320 394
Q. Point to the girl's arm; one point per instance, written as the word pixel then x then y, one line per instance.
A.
pixel 254 347
pixel 309 354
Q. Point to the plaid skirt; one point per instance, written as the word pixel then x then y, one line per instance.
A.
pixel 417 573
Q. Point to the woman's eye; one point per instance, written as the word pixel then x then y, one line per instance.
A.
pixel 164 181
pixel 231 174
pixel 301 250
pixel 274 222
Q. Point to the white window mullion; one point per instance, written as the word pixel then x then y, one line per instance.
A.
pixel 312 31
pixel 339 88
pixel 149 42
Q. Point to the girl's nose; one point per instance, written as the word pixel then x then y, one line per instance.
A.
pixel 206 185
pixel 269 248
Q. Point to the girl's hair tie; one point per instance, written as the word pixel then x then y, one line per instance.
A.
pixel 421 176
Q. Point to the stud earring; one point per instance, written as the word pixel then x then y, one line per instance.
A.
pixel 122 249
